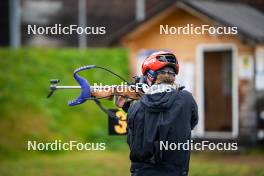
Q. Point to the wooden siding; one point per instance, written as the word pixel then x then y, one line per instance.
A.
pixel 184 46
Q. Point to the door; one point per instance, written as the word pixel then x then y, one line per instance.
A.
pixel 218 91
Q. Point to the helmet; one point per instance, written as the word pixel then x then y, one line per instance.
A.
pixel 159 60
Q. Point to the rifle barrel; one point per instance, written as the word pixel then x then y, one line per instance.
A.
pixel 68 87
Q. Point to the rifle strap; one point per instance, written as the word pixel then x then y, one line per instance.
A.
pixel 109 113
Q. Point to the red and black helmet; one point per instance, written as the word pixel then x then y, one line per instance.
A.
pixel 159 60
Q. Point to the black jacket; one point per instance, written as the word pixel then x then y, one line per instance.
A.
pixel 166 116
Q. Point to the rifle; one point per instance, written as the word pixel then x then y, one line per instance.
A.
pixel 120 93
pixel 88 92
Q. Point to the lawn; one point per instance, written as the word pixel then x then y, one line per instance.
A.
pixel 109 163
pixel 26 113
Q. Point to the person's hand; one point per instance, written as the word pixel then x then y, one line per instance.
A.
pixel 120 101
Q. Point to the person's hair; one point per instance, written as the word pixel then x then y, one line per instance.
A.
pixel 165 78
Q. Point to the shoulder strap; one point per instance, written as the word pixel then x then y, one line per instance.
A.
pixel 109 113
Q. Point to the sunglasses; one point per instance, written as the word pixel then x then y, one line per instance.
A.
pixel 166 72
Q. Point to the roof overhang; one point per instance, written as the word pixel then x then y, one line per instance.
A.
pixel 137 28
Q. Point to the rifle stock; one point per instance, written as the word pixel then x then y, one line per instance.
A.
pixel 122 91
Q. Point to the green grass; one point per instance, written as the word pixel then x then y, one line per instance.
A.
pixel 26 113
pixel 94 163
pixel 108 163
pixel 226 164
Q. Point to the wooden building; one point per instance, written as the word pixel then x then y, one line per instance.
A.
pixel 225 72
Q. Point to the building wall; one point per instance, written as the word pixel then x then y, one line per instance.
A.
pixel 185 46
